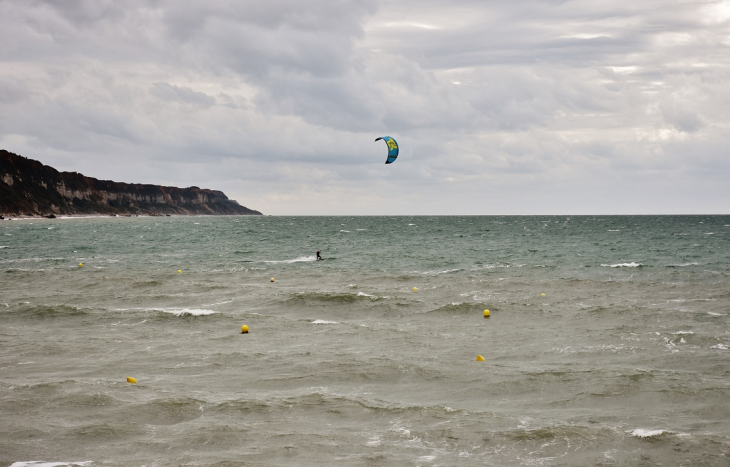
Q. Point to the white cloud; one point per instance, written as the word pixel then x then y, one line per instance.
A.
pixel 516 107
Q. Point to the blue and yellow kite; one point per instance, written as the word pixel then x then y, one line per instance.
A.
pixel 392 148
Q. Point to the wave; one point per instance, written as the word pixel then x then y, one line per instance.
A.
pixel 301 259
pixel 324 321
pixel 682 265
pixel 168 411
pixel 642 433
pixel 623 265
pixel 185 311
pixel 460 307
pixel 49 311
pixel 51 464
pixel 363 294
pixel 334 297
pixel 439 272
pixel 173 311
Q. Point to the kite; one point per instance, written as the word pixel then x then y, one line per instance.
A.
pixel 392 148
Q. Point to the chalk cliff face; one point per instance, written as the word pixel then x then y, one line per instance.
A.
pixel 30 188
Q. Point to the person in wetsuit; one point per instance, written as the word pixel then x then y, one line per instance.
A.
pixel 319 256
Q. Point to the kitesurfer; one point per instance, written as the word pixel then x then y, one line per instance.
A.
pixel 319 256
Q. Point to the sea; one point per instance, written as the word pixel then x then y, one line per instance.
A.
pixel 607 341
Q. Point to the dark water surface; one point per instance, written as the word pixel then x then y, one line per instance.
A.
pixel 623 361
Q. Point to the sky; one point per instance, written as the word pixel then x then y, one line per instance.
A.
pixel 520 107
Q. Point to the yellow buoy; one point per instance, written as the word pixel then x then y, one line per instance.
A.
pixel 415 289
pixel 81 265
pixel 131 380
pixel 542 294
pixel 480 358
pixel 272 279
pixel 179 271
pixel 486 313
pixel 244 329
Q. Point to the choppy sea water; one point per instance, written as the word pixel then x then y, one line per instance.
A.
pixel 624 360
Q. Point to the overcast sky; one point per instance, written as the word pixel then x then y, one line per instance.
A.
pixel 519 107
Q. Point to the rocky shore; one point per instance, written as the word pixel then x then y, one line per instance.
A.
pixel 29 188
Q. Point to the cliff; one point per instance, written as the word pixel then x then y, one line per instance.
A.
pixel 30 188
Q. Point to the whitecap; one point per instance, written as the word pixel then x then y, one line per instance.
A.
pixel 363 294
pixel 614 231
pixel 323 321
pixel 345 231
pixel 435 273
pixel 374 441
pixel 712 313
pixel 720 346
pixel 642 433
pixel 50 464
pixel 3 246
pixel 683 332
pixel 301 259
pixel 185 311
pixel 623 265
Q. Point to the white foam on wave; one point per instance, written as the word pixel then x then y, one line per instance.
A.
pixel 186 311
pixel 174 311
pixel 614 230
pixel 712 313
pixel 3 246
pixel 623 265
pixel 301 259
pixel 642 433
pixel 435 273
pixel 323 321
pixel 720 346
pixel 50 464
pixel 363 294
pixel 374 441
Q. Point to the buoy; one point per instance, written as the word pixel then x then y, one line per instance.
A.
pixel 244 329
pixel 480 358
pixel 179 271
pixel 415 289
pixel 81 265
pixel 542 294
pixel 486 313
pixel 131 380
pixel 272 279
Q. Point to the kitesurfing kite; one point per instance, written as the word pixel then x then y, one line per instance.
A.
pixel 392 148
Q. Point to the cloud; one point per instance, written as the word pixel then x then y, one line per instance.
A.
pixel 499 108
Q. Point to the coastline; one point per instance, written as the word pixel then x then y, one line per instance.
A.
pixel 30 188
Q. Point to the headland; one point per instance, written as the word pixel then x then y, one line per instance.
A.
pixel 29 188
